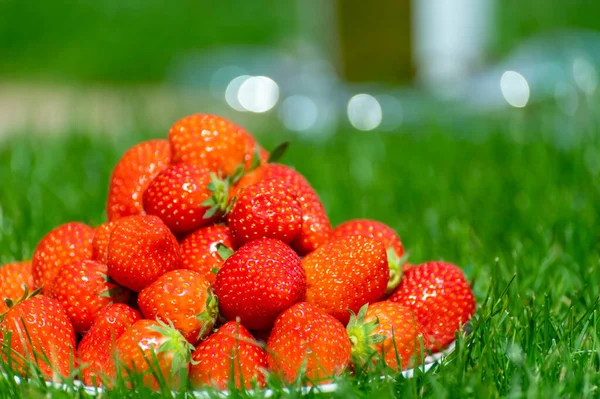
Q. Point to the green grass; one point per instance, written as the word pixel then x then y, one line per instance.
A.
pixel 502 206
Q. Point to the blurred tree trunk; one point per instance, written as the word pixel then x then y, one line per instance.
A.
pixel 375 43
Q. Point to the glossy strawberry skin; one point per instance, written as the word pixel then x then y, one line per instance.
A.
pixel 141 249
pixel 67 243
pixel 101 240
pixel 176 196
pixel 316 228
pixel 267 209
pixel 304 333
pixel 184 298
pixel 83 290
pixel 259 281
pixel 211 141
pixel 97 344
pixel 440 297
pixel 140 343
pixel 345 273
pixel 14 277
pixel 132 174
pixel 403 332
pixel 199 249
pixel 40 325
pixel 372 229
pixel 231 348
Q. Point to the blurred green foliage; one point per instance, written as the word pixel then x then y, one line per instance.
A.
pixel 139 41
pixel 128 41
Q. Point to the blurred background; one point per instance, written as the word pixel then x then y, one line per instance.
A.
pixel 307 67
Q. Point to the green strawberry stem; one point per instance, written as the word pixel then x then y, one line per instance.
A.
pixel 395 264
pixel 208 317
pixel 362 336
pixel 224 251
pixel 219 203
pixel 278 152
pixel 177 344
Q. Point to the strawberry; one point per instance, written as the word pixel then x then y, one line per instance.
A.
pixel 388 328
pixel 151 348
pixel 83 289
pixel 67 243
pixel 316 228
pixel 179 196
pixel 305 337
pixel 229 356
pixel 267 209
pixel 141 249
pixel 199 250
pixel 345 273
pixel 132 174
pixel 184 298
pixel 388 237
pixel 39 330
pixel 97 344
pixel 259 281
pixel 14 279
pixel 100 241
pixel 211 141
pixel 440 296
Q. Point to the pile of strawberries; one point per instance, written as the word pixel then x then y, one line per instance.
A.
pixel 218 266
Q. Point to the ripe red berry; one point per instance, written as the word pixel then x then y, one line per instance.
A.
pixel 258 282
pixel 267 209
pixel 211 141
pixel 230 355
pixel 182 298
pixel 305 337
pixel 440 297
pixel 84 289
pixel 67 243
pixel 132 174
pixel 345 273
pixel 97 344
pixel 178 196
pixel 316 228
pixel 141 249
pixel 199 250
pixel 39 330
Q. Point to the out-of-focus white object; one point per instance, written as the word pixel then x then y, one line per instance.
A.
pixel 450 40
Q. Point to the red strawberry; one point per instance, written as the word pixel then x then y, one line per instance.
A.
pixel 67 243
pixel 184 298
pixel 100 241
pixel 211 141
pixel 98 343
pixel 230 355
pixel 267 209
pixel 179 197
pixel 258 282
pixel 390 329
pixel 388 237
pixel 83 289
pixel 441 298
pixel 345 273
pixel 39 330
pixel 316 227
pixel 150 347
pixel 199 250
pixel 306 337
pixel 141 249
pixel 132 174
pixel 14 278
